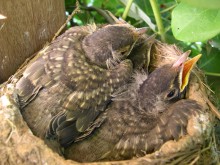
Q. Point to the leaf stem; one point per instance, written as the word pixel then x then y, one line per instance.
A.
pixel 212 74
pixel 167 9
pixel 127 8
pixel 158 19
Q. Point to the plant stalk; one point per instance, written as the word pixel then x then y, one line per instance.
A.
pixel 168 9
pixel 127 8
pixel 212 74
pixel 158 19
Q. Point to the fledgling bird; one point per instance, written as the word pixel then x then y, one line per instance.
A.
pixel 140 120
pixel 77 74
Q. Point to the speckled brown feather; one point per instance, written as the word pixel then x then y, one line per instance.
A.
pixel 138 123
pixel 68 77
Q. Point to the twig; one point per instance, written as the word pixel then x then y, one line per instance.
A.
pixel 213 108
pixel 2 26
pixel 13 130
pixel 77 9
pixel 158 19
pixel 195 160
pixel 202 83
pixel 102 12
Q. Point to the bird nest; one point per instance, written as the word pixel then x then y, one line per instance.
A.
pixel 18 145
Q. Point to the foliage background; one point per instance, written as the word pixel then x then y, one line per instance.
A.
pixel 190 24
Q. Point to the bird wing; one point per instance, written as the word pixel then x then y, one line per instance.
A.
pixel 48 68
pixel 93 89
pixel 172 125
pixel 90 86
pixel 65 131
pixel 30 83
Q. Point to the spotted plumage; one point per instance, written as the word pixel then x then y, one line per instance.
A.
pixel 75 77
pixel 140 119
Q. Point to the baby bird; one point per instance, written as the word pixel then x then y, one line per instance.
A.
pixel 140 120
pixel 77 74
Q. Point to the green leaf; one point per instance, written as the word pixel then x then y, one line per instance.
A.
pixel 97 3
pixel 194 24
pixel 215 42
pixel 207 4
pixel 145 6
pixel 70 3
pixel 210 60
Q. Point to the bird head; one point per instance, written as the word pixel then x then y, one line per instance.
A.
pixel 166 84
pixel 111 42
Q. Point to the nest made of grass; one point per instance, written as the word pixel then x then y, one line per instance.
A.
pixel 18 145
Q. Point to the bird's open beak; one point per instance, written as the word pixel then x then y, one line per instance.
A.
pixel 186 67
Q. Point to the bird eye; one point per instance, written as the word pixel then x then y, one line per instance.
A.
pixel 171 94
pixel 123 52
pixel 125 49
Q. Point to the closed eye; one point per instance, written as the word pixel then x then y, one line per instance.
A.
pixel 125 50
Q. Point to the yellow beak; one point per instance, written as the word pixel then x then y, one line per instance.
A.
pixel 187 68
